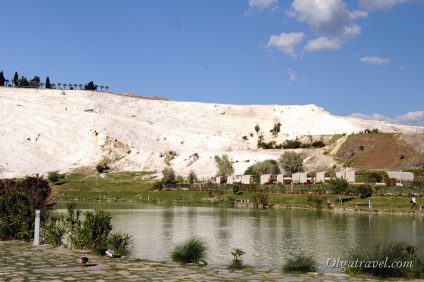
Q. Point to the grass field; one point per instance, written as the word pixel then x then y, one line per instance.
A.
pixel 138 187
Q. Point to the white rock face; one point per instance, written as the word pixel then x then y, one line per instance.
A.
pixel 43 130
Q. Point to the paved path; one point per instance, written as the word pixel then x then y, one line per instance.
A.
pixel 20 261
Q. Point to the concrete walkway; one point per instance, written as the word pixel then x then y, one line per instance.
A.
pixel 20 261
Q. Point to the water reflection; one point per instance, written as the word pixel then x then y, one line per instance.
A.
pixel 269 236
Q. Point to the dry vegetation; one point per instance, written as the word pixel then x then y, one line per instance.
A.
pixel 379 151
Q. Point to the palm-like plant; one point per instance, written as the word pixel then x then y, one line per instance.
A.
pixel 80 86
pixel 59 84
pixel 101 87
pixel 64 86
pixel 41 84
pixel 75 86
pixel 107 88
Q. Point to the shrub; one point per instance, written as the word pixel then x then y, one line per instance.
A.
pixel 237 262
pixel 192 250
pixel 260 199
pixel 292 144
pixel 364 190
pixel 316 201
pixel 318 144
pixel 339 186
pixel 390 254
pixel 95 230
pixel 119 243
pixel 102 167
pixel 18 201
pixel 55 176
pixel 54 231
pixel 157 185
pixel 300 264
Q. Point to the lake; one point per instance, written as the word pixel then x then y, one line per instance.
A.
pixel 269 236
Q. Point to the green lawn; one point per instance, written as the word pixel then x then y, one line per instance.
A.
pixel 138 187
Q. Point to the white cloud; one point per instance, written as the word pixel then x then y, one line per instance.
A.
pixel 328 18
pixel 322 44
pixel 286 43
pixel 358 14
pixel 262 4
pixel 292 75
pixel 375 60
pixel 411 118
pixel 374 5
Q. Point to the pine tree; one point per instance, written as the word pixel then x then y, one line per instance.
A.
pixel 48 85
pixel 2 79
pixel 90 86
pixel 16 79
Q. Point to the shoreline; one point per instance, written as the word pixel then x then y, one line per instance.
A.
pixel 336 209
pixel 22 261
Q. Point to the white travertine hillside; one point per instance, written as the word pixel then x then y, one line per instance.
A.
pixel 43 130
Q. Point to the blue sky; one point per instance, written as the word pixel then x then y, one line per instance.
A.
pixel 360 58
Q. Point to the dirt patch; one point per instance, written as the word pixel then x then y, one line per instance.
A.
pixel 379 151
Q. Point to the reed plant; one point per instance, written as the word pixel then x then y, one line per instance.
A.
pixel 192 250
pixel 388 260
pixel 300 264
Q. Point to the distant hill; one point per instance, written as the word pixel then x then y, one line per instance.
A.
pixel 43 130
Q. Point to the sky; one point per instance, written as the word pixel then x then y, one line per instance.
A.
pixel 360 58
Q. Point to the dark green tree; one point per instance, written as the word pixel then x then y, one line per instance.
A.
pixel 192 177
pixel 2 79
pixel 15 79
pixel 23 82
pixel 90 86
pixel 48 85
pixel 35 82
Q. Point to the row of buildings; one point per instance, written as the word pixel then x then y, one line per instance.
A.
pixel 305 177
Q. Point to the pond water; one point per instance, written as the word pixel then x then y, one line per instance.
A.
pixel 269 236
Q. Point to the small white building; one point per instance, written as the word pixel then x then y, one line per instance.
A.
pixel 218 179
pixel 320 177
pixel 265 178
pixel 230 179
pixel 300 177
pixel 246 179
pixel 401 175
pixel 349 175
pixel 280 178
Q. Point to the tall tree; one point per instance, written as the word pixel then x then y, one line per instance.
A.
pixel 192 177
pixel 80 86
pixel 224 165
pixel 2 79
pixel 64 86
pixel 107 88
pixel 75 86
pixel 15 79
pixel 59 84
pixel 291 162
pixel 101 87
pixel 48 85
